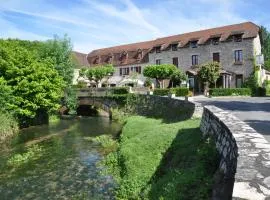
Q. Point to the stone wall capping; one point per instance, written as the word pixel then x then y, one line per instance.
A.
pixel 244 156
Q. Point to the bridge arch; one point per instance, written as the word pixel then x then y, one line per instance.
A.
pixel 101 103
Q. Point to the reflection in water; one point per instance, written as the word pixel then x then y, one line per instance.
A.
pixel 56 162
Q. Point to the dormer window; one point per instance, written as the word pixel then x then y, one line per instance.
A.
pixel 123 56
pixel 96 61
pixel 238 38
pixel 215 41
pixel 174 47
pixel 158 49
pixel 139 55
pixel 194 44
pixel 109 60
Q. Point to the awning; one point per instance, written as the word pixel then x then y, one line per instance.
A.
pixel 115 80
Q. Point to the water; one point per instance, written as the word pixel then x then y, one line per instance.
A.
pixel 57 161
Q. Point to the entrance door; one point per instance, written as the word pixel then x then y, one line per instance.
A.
pixel 239 80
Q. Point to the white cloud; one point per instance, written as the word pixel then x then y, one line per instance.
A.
pixel 95 24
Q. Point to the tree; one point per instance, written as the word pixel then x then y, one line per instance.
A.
pixel 36 85
pixel 209 73
pixel 265 40
pixel 159 72
pixel 178 76
pixel 99 72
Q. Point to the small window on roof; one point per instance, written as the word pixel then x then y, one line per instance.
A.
pixel 158 49
pixel 215 41
pixel 174 47
pixel 238 38
pixel 194 44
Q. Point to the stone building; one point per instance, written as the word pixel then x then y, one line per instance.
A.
pixel 234 46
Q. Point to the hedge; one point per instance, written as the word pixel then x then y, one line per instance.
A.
pixel 259 92
pixel 230 92
pixel 120 90
pixel 161 92
pixel 179 92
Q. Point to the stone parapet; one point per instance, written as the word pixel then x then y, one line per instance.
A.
pixel 244 168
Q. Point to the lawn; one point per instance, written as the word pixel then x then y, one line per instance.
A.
pixel 157 160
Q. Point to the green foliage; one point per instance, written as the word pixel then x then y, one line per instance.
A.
pixel 70 100
pixel 159 72
pixel 119 90
pixel 33 152
pixel 148 82
pixel 107 142
pixel 8 126
pixel 98 72
pixel 180 92
pixel 59 50
pixel 230 92
pixel 260 92
pixel 34 75
pixel 161 92
pixel 265 40
pixel 6 99
pixel 178 76
pixel 157 160
pixel 209 72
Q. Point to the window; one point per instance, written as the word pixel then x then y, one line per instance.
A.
pixel 124 71
pixel 175 61
pixel 194 59
pixel 215 41
pixel 238 56
pixel 216 57
pixel 238 38
pixel 158 61
pixel 158 49
pixel 174 47
pixel 137 69
pixel 194 44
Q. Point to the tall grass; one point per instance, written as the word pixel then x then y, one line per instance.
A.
pixel 8 126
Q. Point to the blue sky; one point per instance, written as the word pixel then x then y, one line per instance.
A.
pixel 93 24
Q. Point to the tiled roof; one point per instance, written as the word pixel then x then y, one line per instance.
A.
pixel 81 58
pixel 247 29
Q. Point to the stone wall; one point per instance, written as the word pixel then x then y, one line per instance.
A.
pixel 244 169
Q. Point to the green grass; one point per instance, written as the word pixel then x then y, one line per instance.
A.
pixel 158 160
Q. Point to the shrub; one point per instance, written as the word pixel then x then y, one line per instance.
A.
pixel 230 92
pixel 260 92
pixel 120 90
pixel 180 92
pixel 8 126
pixel 161 92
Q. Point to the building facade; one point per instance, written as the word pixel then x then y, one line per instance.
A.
pixel 234 46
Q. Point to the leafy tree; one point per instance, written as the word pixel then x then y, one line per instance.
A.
pixel 6 99
pixel 36 85
pixel 178 76
pixel 99 72
pixel 60 51
pixel 265 40
pixel 209 73
pixel 159 72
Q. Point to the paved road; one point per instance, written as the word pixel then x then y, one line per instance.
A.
pixel 255 111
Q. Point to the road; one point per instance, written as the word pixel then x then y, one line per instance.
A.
pixel 255 111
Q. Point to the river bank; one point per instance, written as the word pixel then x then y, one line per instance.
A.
pixel 157 160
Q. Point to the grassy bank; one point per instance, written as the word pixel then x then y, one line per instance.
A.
pixel 157 160
pixel 8 126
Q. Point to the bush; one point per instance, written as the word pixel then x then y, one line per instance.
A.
pixel 180 92
pixel 161 92
pixel 230 92
pixel 8 126
pixel 260 92
pixel 120 90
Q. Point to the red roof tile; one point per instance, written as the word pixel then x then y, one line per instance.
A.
pixel 247 29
